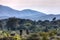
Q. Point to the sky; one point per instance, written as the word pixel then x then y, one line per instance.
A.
pixel 45 6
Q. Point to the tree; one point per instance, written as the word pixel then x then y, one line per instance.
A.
pixel 54 19
pixel 12 24
pixel 1 24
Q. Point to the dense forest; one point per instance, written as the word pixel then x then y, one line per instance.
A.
pixel 26 24
pixel 37 30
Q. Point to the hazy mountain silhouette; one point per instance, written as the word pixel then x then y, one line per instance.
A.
pixel 6 12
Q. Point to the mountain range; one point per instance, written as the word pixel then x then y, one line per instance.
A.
pixel 6 12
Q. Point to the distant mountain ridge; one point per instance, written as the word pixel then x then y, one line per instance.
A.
pixel 24 14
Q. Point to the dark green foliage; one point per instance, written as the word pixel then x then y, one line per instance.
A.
pixel 0 24
pixel 54 18
pixel 20 32
pixel 12 23
pixel 32 26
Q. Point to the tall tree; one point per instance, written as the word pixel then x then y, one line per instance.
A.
pixel 1 25
pixel 12 24
pixel 54 19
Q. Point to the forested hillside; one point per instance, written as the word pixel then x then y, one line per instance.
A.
pixel 33 26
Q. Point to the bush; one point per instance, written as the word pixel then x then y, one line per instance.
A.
pixel 34 37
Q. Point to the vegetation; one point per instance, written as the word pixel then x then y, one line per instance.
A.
pixel 25 29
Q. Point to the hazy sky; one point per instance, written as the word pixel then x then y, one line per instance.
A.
pixel 45 6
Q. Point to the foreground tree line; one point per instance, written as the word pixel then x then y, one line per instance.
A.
pixel 25 29
pixel 13 24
